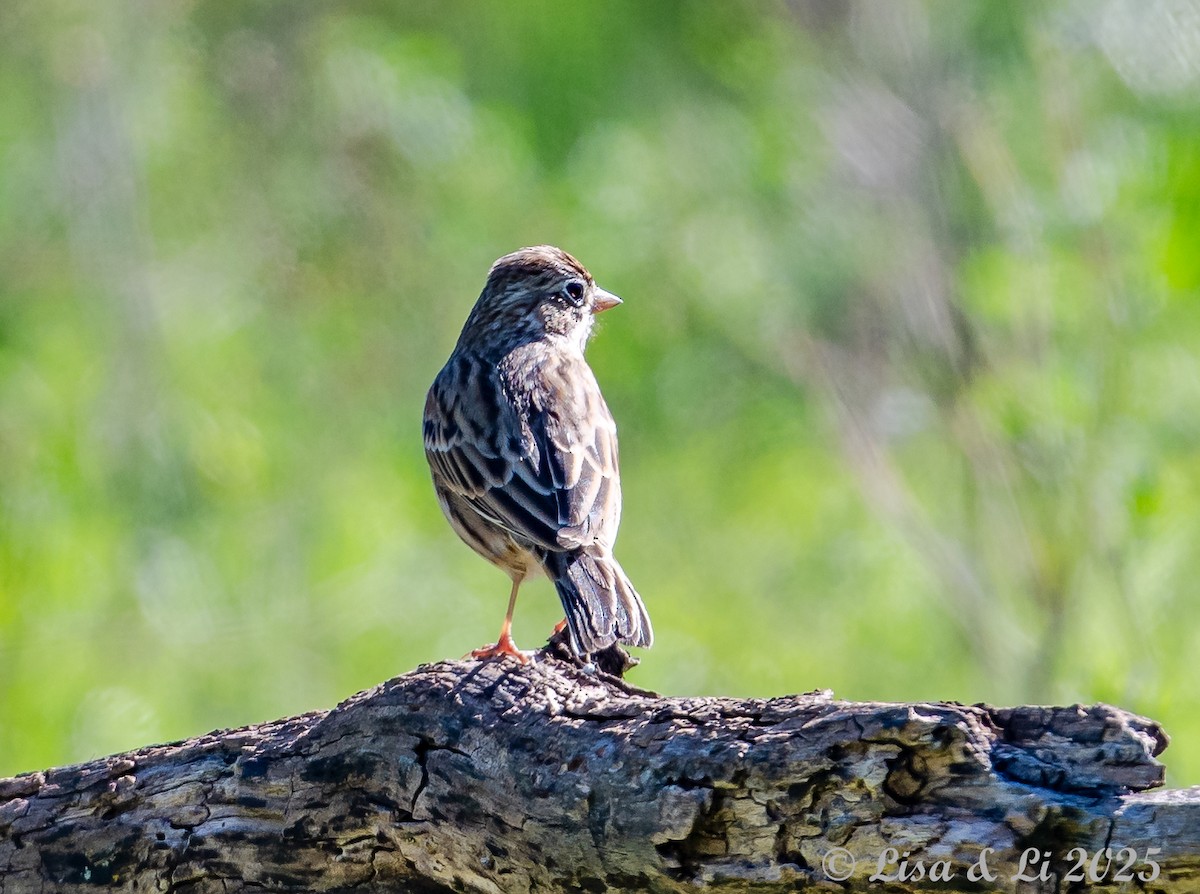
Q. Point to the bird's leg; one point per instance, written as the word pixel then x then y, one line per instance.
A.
pixel 505 645
pixel 559 627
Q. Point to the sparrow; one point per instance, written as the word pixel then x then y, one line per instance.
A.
pixel 523 448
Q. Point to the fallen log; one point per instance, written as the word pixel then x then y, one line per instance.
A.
pixel 497 777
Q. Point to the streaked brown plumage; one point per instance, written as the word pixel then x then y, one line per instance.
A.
pixel 523 449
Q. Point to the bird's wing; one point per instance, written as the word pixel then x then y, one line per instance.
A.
pixel 576 434
pixel 533 451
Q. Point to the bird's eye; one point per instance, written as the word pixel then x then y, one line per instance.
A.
pixel 573 292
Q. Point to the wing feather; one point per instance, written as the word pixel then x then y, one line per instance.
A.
pixel 548 474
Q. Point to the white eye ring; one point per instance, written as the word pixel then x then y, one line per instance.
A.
pixel 573 291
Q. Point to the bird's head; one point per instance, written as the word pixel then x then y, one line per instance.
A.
pixel 533 293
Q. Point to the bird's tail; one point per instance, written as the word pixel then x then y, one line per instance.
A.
pixel 601 604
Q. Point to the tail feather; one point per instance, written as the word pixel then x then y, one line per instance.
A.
pixel 601 605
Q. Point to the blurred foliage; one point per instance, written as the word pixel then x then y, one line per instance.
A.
pixel 907 373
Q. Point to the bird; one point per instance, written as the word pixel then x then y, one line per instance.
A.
pixel 522 448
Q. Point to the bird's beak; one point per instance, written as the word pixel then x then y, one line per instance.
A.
pixel 602 300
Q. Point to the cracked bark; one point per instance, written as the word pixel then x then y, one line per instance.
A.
pixel 492 777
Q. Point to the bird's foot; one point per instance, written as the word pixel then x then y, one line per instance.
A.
pixel 503 646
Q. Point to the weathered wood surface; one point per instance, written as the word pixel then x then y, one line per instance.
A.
pixel 468 776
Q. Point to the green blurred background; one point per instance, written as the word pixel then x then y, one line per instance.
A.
pixel 907 373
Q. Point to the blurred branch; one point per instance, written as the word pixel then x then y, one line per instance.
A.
pixel 968 591
pixel 498 777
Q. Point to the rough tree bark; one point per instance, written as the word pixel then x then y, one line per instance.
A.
pixel 468 776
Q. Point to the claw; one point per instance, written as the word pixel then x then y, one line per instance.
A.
pixel 504 646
